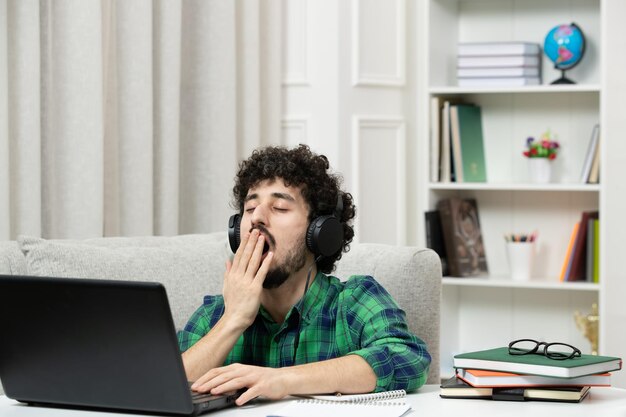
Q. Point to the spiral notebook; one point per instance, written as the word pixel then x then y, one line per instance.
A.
pixel 379 404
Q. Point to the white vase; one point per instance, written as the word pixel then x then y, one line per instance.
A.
pixel 540 170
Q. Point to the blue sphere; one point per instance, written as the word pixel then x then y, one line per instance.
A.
pixel 564 45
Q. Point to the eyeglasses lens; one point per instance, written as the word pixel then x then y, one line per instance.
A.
pixel 559 351
pixel 523 346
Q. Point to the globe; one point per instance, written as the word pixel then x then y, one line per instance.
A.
pixel 565 46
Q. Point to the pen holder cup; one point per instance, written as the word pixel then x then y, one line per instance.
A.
pixel 520 256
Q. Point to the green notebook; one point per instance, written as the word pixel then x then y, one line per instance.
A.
pixel 499 359
pixel 472 148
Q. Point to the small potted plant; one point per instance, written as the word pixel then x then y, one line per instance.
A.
pixel 540 153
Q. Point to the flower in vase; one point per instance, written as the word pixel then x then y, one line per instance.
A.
pixel 545 147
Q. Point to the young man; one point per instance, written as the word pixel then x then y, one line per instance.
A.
pixel 262 333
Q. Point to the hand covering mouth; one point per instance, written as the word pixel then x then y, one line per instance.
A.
pixel 269 239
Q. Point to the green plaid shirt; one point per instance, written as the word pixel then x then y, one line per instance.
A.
pixel 338 318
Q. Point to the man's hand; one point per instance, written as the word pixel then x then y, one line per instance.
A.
pixel 243 280
pixel 350 374
pixel 268 382
pixel 243 284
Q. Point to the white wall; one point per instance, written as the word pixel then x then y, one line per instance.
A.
pixel 347 92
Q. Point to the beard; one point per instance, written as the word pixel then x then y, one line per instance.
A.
pixel 294 261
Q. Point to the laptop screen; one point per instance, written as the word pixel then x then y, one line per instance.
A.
pixel 94 343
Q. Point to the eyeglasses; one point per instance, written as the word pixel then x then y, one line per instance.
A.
pixel 557 351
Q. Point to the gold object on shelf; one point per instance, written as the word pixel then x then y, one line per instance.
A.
pixel 589 326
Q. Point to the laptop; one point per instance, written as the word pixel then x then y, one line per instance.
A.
pixel 94 344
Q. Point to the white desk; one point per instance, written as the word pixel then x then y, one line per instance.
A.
pixel 605 402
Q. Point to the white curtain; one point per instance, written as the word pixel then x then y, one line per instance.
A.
pixel 122 118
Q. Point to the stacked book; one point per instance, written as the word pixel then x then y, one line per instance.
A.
pixel 502 64
pixel 495 374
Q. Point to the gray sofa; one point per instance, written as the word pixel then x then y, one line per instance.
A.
pixel 191 266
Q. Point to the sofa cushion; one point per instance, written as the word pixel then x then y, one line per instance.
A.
pixel 189 266
pixel 12 261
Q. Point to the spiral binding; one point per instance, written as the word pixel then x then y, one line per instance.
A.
pixel 378 398
pixel 353 404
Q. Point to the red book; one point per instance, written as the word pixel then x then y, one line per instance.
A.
pixel 481 379
pixel 579 256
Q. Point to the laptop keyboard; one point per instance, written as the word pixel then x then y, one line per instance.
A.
pixel 199 397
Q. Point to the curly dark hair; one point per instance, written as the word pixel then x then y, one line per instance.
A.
pixel 299 167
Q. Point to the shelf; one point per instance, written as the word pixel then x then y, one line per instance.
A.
pixel 513 187
pixel 509 201
pixel 573 88
pixel 506 282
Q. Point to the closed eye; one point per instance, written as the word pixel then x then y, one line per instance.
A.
pixel 280 210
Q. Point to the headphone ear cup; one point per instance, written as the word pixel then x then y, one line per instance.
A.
pixel 324 236
pixel 234 235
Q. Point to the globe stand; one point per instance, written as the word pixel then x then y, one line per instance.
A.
pixel 563 79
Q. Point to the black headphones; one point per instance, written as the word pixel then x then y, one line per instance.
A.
pixel 324 236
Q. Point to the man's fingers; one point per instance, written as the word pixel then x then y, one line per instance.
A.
pixel 233 377
pixel 213 383
pixel 213 378
pixel 265 266
pixel 255 259
pixel 251 244
pixel 239 252
pixel 229 385
pixel 250 394
pixel 203 379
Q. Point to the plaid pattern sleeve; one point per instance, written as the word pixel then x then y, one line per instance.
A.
pixel 376 324
pixel 201 321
